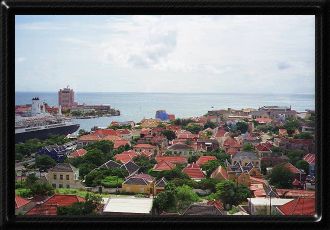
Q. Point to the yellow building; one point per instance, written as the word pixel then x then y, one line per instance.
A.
pixel 139 183
pixel 64 175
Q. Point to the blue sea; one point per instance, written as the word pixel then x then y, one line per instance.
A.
pixel 136 106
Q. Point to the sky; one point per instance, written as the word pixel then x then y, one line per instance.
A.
pixel 166 53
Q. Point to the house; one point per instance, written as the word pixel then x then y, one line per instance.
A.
pixel 263 149
pixel 128 206
pixel 298 175
pixel 194 172
pixel 160 141
pixel 172 159
pixel 310 159
pixel 181 149
pixel 129 166
pixel 49 207
pixel 230 142
pixel 263 120
pixel 263 205
pixel 149 123
pixel 299 206
pixel 282 132
pixel 125 134
pixel 145 147
pixel 242 174
pixel 22 205
pixel 139 183
pixel 126 156
pixel 273 161
pixel 77 153
pixel 163 166
pixel 220 173
pixel 57 152
pixel 303 144
pixel 207 145
pixel 204 159
pixel 97 136
pixel 245 157
pixel 203 209
pixel 120 143
pixel 64 175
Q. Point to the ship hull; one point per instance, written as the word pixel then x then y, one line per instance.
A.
pixel 43 134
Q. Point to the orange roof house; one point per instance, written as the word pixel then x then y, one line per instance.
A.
pixel 49 207
pixel 204 159
pixel 163 166
pixel 220 173
pixel 299 206
pixel 20 201
pixel 126 156
pixel 194 171
pixel 78 153
pixel 120 143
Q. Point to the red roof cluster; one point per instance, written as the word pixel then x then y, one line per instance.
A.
pixel 194 171
pixel 299 206
pixel 204 159
pixel 172 159
pixel 262 147
pixel 220 133
pixel 231 142
pixel 310 158
pixel 163 166
pixel 291 168
pixel 78 153
pixel 49 207
pixel 144 146
pixel 119 143
pixel 126 156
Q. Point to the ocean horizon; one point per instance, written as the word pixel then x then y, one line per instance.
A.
pixel 136 106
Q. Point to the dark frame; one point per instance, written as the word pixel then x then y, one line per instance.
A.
pixel 11 8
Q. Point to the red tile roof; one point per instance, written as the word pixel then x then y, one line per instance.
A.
pixel 220 170
pixel 20 201
pixel 220 133
pixel 231 142
pixel 204 159
pixel 291 168
pixel 310 158
pixel 78 153
pixel 172 159
pixel 106 132
pixel 232 151
pixel 163 166
pixel 126 156
pixel 262 147
pixel 123 131
pixel 282 132
pixel 119 143
pixel 299 206
pixel 187 136
pixel 194 171
pixel 49 207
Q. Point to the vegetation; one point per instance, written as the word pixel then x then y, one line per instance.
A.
pixel 169 134
pixel 112 181
pixel 242 126
pixel 44 162
pixel 95 177
pixel 231 194
pixel 294 155
pixel 144 163
pixel 182 122
pixel 303 136
pixel 281 177
pixel 301 164
pixel 193 128
pixel 210 124
pixel 248 147
pixel 291 125
pixel 210 166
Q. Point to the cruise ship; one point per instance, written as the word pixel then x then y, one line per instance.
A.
pixel 42 125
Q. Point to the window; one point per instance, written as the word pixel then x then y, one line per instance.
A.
pixel 67 177
pixel 61 177
pixel 60 185
pixel 67 186
pixel 54 185
pixel 55 176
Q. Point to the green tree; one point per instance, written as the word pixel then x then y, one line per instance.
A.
pixel 85 168
pixel 248 147
pixel 82 132
pixel 231 193
pixel 185 197
pixel 295 155
pixel 210 124
pixel 193 128
pixel 42 189
pixel 95 157
pixel 281 177
pixel 104 146
pixel 112 182
pixel 301 164
pixel 169 134
pixel 303 136
pixel 291 125
pixel 144 163
pixel 242 126
pixel 210 166
pixel 92 202
pixel 208 183
pixel 192 158
pixel 44 162
pixel 165 201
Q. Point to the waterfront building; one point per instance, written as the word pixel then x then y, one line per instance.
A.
pixel 66 97
pixel 161 115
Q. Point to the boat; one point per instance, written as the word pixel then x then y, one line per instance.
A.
pixel 41 125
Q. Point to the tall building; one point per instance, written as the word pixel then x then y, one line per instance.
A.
pixel 66 97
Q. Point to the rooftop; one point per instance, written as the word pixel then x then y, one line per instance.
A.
pixel 128 205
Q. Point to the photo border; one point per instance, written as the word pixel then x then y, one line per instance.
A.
pixel 209 7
